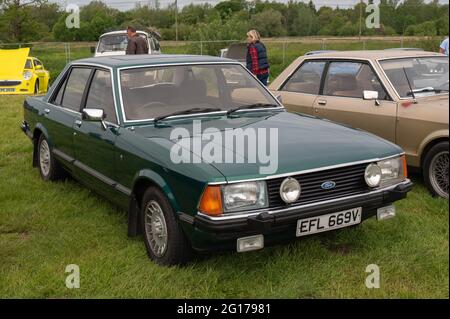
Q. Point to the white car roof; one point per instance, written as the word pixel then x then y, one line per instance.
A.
pixel 122 32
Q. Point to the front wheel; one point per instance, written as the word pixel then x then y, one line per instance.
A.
pixel 435 169
pixel 164 240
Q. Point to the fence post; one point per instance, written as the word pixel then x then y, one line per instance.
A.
pixel 284 52
pixel 323 44
pixel 201 47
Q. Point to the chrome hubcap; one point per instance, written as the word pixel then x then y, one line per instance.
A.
pixel 44 157
pixel 156 228
pixel 439 173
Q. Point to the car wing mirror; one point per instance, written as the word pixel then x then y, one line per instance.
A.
pixel 38 67
pixel 92 49
pixel 94 115
pixel 279 98
pixel 371 95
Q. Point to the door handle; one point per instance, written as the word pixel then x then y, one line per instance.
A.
pixel 322 102
pixel 46 111
pixel 78 123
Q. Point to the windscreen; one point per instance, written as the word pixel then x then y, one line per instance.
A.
pixel 155 91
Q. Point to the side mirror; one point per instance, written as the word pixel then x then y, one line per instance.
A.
pixel 370 95
pixel 279 98
pixel 38 67
pixel 92 49
pixel 94 115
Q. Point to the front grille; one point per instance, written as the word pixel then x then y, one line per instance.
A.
pixel 9 83
pixel 349 181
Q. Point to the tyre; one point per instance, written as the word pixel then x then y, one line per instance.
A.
pixel 435 169
pixel 49 168
pixel 164 240
pixel 36 87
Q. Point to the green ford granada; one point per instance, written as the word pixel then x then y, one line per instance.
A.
pixel 204 157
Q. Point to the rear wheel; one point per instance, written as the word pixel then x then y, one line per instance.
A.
pixel 164 240
pixel 49 168
pixel 435 169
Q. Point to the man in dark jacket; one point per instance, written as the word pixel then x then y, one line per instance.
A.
pixel 257 61
pixel 136 44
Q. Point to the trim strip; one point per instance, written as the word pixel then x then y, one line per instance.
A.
pixel 93 172
pixel 248 214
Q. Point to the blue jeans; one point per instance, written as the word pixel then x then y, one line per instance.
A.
pixel 263 78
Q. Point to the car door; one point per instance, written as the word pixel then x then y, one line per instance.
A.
pixel 63 109
pixel 301 89
pixel 342 99
pixel 93 142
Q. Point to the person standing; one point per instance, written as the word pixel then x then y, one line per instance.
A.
pixel 443 48
pixel 136 44
pixel 257 61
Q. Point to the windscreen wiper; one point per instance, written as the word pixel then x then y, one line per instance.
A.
pixel 251 106
pixel 188 111
pixel 429 89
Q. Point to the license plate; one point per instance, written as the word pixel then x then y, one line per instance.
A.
pixel 7 89
pixel 328 222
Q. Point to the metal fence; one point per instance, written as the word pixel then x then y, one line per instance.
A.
pixel 281 51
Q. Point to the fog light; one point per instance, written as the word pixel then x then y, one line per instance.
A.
pixel 387 212
pixel 250 243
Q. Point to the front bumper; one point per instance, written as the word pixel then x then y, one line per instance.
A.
pixel 209 233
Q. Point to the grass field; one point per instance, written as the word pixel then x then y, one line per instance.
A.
pixel 46 226
pixel 281 51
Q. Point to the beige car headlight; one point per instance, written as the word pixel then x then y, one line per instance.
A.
pixel 244 196
pixel 387 172
pixel 27 75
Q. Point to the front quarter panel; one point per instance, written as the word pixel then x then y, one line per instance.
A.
pixel 140 157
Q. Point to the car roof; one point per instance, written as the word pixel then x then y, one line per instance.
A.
pixel 121 32
pixel 118 61
pixel 375 54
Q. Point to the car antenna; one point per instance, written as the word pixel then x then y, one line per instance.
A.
pixel 410 86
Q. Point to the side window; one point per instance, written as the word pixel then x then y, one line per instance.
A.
pixel 152 44
pixel 58 99
pixel 37 62
pixel 350 79
pixel 75 87
pixel 306 79
pixel 100 95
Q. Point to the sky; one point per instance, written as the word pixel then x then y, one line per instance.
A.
pixel 125 5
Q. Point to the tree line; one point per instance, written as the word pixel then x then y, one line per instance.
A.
pixel 40 20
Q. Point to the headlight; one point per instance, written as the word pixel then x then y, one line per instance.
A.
pixel 27 75
pixel 244 196
pixel 386 172
pixel 290 190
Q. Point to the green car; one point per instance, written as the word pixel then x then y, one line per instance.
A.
pixel 204 157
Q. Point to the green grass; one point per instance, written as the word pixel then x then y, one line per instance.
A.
pixel 46 226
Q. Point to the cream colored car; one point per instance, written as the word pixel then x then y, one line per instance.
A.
pixel 401 96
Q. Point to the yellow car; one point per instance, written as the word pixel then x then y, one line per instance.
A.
pixel 21 74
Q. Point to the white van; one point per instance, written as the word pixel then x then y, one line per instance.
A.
pixel 115 43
